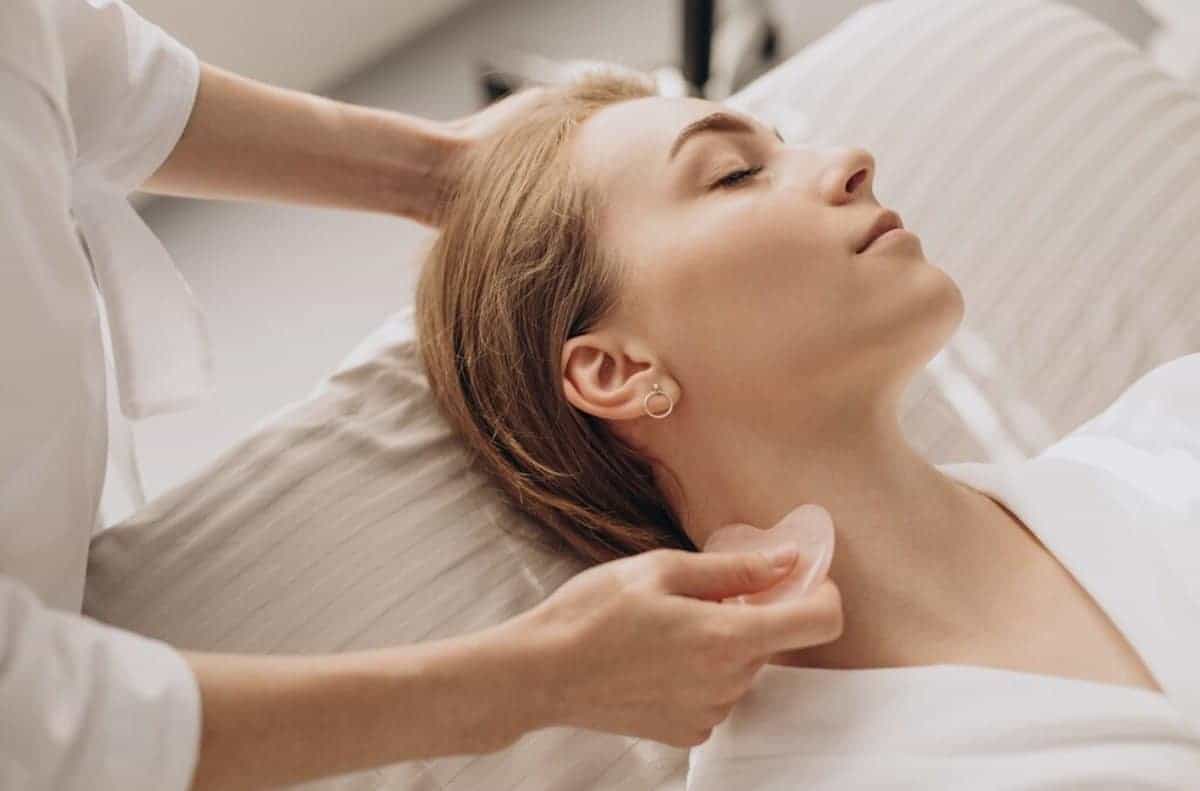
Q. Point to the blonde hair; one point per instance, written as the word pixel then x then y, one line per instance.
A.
pixel 514 273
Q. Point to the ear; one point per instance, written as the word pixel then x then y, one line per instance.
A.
pixel 607 376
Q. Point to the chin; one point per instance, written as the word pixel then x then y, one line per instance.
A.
pixel 933 316
pixel 957 303
pixel 944 312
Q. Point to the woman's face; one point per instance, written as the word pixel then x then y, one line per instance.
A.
pixel 743 278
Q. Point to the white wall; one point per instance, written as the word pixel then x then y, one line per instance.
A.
pixel 304 45
pixel 315 44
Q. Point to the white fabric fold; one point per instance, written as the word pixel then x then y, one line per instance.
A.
pixel 160 343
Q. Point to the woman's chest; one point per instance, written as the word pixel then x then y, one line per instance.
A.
pixel 1065 634
pixel 1053 628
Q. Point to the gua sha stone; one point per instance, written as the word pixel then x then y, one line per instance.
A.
pixel 809 527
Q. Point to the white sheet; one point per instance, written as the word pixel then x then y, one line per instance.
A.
pixel 1118 503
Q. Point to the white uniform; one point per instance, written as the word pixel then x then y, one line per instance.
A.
pixel 1118 504
pixel 92 100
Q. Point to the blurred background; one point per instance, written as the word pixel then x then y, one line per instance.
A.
pixel 290 291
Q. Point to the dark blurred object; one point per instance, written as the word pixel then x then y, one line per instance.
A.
pixel 717 58
pixel 699 23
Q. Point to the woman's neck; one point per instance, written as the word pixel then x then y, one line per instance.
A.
pixel 921 561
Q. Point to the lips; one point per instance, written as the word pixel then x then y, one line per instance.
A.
pixel 885 222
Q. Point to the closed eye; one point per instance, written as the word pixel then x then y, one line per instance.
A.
pixel 738 176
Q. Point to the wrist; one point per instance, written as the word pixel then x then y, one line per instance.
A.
pixel 535 654
pixel 418 155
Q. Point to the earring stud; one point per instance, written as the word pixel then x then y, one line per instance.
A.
pixel 656 390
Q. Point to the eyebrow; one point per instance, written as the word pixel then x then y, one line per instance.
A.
pixel 713 122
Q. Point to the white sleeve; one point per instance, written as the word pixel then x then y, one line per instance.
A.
pixel 87 706
pixel 130 89
pixel 82 706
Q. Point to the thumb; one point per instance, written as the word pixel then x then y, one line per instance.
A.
pixel 714 576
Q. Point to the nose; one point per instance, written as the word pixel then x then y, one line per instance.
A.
pixel 851 171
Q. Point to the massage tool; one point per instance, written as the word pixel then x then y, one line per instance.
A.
pixel 809 527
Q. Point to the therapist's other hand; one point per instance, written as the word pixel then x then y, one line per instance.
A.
pixel 642 646
pixel 462 135
pixel 248 140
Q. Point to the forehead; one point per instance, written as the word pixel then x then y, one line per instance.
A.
pixel 624 144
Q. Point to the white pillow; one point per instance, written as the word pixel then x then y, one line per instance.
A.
pixel 1046 164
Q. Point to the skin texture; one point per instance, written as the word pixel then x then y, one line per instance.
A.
pixel 786 354
pixel 246 140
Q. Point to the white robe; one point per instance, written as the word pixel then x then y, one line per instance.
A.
pixel 1118 504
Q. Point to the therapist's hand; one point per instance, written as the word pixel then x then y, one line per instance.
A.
pixel 462 135
pixel 642 646
pixel 247 140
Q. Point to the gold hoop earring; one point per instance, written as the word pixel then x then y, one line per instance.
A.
pixel 655 390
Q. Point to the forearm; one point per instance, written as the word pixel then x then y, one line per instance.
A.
pixel 274 720
pixel 246 140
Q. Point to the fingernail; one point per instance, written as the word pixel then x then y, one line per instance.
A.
pixel 782 557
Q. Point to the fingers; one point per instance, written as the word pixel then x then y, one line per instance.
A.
pixel 483 122
pixel 786 625
pixel 760 630
pixel 714 576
